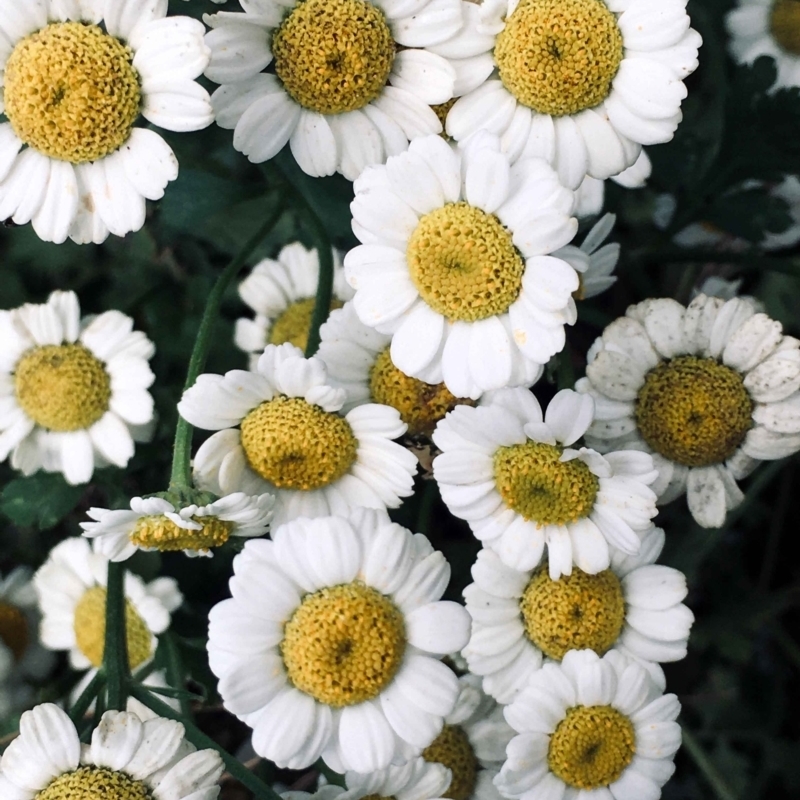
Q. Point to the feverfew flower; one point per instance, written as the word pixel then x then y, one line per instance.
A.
pixel 330 645
pixel 709 390
pixel 457 263
pixel 73 391
pixel 512 474
pixel 72 160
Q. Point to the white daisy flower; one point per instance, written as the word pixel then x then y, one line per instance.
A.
pixel 457 263
pixel 330 645
pixel 513 475
pixel 73 391
pixel 280 432
pixel 72 160
pixel 155 523
pixel 283 294
pixel 520 617
pixel 591 727
pixel 127 759
pixel 709 390
pixel 353 80
pixel 594 263
pixel 71 586
pixel 581 83
pixel 590 195
pixel 359 361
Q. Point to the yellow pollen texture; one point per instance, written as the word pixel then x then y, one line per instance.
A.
pixel 93 783
pixel 576 612
pixel 421 405
pixel 71 92
pixel 532 481
pixel 694 410
pixel 90 629
pixel 784 23
pixel 296 445
pixel 62 387
pixel 591 747
pixel 334 56
pixel 293 324
pixel 464 263
pixel 452 748
pixel 559 57
pixel 14 633
pixel 163 534
pixel 344 644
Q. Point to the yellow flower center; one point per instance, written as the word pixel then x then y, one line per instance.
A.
pixel 421 405
pixel 559 57
pixel 14 633
pixel 591 747
pixel 694 410
pixel 71 92
pixel 334 55
pixel 452 748
pixel 784 22
pixel 91 783
pixel 536 484
pixel 90 629
pixel 62 387
pixel 464 263
pixel 296 445
pixel 344 644
pixel 293 324
pixel 576 612
pixel 162 533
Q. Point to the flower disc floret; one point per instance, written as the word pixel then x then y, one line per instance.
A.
pixel 62 387
pixel 334 56
pixel 784 23
pixel 344 644
pixel 89 783
pixel 591 747
pixel 453 749
pixel 559 57
pixel 293 324
pixel 534 482
pixel 464 263
pixel 294 444
pixel 695 411
pixel 71 92
pixel 162 533
pixel 576 612
pixel 14 632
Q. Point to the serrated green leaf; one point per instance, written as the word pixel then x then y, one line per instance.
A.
pixel 40 501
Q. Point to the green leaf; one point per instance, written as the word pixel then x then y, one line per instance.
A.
pixel 40 501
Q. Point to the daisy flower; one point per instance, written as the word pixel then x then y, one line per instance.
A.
pixel 330 645
pixel 283 294
pixel 512 474
pixel 591 726
pixel 593 261
pixel 73 391
pixel 71 586
pixel 280 433
pixel 155 523
pixel 457 263
pixel 351 83
pixel 127 759
pixel 72 160
pixel 581 83
pixel 520 617
pixel 709 391
pixel 359 360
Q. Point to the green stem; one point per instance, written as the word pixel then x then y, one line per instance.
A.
pixel 182 448
pixel 705 765
pixel 259 789
pixel 176 674
pixel 88 695
pixel 115 651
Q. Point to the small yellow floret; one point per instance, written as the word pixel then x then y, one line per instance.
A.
pixel 559 57
pixel 591 747
pixel 163 534
pixel 784 23
pixel 293 324
pixel 334 56
pixel 464 263
pixel 453 749
pixel 93 783
pixel 14 633
pixel 62 387
pixel 71 92
pixel 344 644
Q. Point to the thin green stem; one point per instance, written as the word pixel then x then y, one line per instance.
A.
pixel 182 448
pixel 176 674
pixel 115 651
pixel 259 789
pixel 705 765
pixel 87 697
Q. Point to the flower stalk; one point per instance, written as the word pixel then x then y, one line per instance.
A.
pixel 115 651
